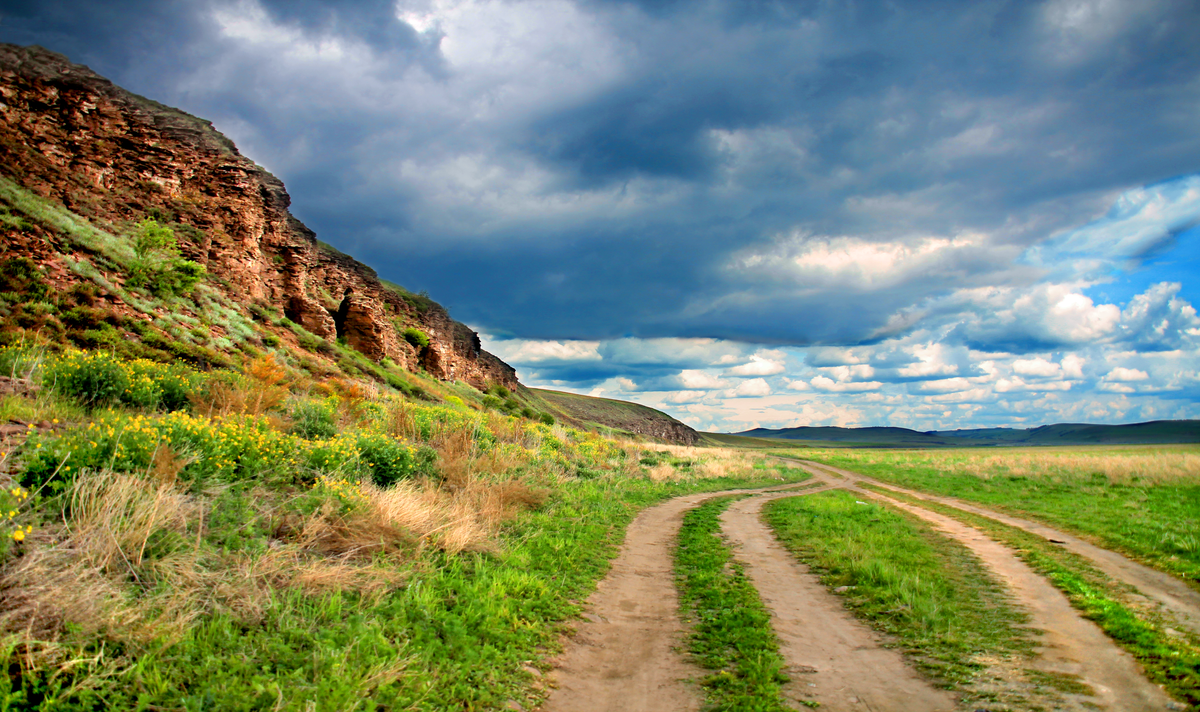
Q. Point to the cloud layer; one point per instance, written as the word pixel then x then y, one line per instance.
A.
pixel 747 212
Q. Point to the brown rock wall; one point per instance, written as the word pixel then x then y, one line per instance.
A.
pixel 115 157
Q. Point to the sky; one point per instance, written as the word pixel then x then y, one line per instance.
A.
pixel 748 213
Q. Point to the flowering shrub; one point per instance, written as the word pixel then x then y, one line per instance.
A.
pixel 232 449
pixel 388 460
pixel 11 502
pixel 98 378
pixel 348 493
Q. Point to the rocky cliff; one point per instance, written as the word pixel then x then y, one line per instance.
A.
pixel 116 158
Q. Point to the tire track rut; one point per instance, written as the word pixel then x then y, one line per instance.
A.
pixel 623 656
pixel 832 658
pixel 1177 599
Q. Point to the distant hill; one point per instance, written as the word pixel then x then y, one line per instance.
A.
pixel 589 412
pixel 879 437
pixel 1152 433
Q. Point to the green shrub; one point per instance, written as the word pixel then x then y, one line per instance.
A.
pixel 546 418
pixel 99 378
pixel 153 238
pixel 94 378
pixel 158 266
pixel 492 403
pixel 21 276
pixel 497 390
pixel 416 337
pixel 314 419
pixel 387 459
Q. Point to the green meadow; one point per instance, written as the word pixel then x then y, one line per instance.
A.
pixel 1141 500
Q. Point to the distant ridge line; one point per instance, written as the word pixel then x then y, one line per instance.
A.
pixel 1149 433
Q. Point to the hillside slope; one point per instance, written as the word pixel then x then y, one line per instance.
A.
pixel 1152 433
pixel 87 164
pixel 588 412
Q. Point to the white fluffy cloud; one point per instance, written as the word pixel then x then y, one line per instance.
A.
pixel 1126 375
pixel 824 383
pixel 1037 368
pixel 749 388
pixel 760 364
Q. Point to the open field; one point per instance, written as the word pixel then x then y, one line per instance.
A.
pixel 1141 500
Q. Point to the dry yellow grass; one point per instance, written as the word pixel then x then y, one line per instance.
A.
pixel 704 462
pixel 1119 465
pixel 132 564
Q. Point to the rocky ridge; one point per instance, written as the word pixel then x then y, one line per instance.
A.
pixel 78 140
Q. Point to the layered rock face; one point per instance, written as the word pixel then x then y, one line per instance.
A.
pixel 110 155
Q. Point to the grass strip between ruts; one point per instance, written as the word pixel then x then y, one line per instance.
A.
pixel 927 591
pixel 1170 660
pixel 731 628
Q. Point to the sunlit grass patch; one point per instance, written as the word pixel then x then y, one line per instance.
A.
pixel 665 462
pixel 928 591
pixel 731 628
pixel 1170 658
pixel 1140 500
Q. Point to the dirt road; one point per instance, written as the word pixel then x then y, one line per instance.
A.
pixel 1179 601
pixel 833 659
pixel 625 655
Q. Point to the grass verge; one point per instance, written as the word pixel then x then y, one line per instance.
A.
pixel 732 631
pixel 1143 501
pixel 1169 658
pixel 456 632
pixel 929 592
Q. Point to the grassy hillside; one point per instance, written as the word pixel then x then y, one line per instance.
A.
pixel 1156 432
pixel 609 415
pixel 253 538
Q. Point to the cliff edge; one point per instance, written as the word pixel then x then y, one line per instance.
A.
pixel 77 140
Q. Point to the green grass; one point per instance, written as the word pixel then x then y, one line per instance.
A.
pixel 455 632
pixel 599 414
pixel 1172 661
pixel 1143 501
pixel 929 592
pixel 455 636
pixel 731 628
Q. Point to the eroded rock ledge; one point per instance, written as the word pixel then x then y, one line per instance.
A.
pixel 105 153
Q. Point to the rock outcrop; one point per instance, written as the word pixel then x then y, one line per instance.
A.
pixel 112 156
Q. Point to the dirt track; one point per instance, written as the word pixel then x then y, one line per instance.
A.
pixel 625 657
pixel 1178 600
pixel 832 658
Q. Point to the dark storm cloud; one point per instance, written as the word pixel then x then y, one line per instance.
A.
pixel 593 170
